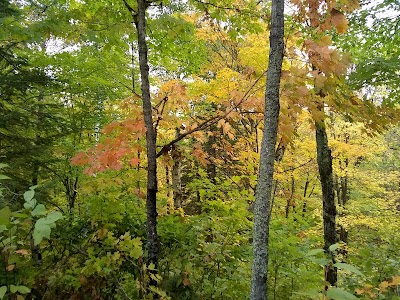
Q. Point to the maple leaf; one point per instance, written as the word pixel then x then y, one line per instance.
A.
pixel 339 20
pixel 79 159
pixel 199 154
pixel 134 162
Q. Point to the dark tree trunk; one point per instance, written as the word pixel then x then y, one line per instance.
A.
pixel 71 191
pixel 290 201
pixel 177 176
pixel 258 289
pixel 151 209
pixel 324 159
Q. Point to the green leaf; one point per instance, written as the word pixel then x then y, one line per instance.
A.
pixel 19 215
pixel 30 204
pixel 28 195
pixel 13 289
pixel 53 217
pixel 3 291
pixel 2 228
pixel 39 210
pixel 3 165
pixel 19 289
pixel 335 293
pixel 22 289
pixel 333 247
pixel 136 252
pixel 4 177
pixel 5 215
pixel 42 230
pixel 315 252
pixel 8 240
pixel 311 293
pixel 320 261
pixel 348 267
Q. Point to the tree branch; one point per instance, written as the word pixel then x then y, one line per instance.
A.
pixel 208 122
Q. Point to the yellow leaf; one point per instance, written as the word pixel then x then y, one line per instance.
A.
pixel 359 291
pixel 326 40
pixel 22 252
pixel 384 285
pixel 10 268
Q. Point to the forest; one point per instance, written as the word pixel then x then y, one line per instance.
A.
pixel 199 149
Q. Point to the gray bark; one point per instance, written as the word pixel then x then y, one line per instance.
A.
pixel 258 289
pixel 151 209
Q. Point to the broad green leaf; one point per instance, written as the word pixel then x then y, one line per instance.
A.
pixel 320 261
pixel 5 215
pixel 19 215
pixel 22 289
pixel 53 217
pixel 3 165
pixel 333 247
pixel 28 195
pixel 42 230
pixel 4 177
pixel 335 293
pixel 30 204
pixel 2 228
pixel 39 210
pixel 3 291
pixel 19 289
pixel 315 252
pixel 348 267
pixel 13 289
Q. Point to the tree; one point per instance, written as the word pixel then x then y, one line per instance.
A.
pixel 151 202
pixel 267 156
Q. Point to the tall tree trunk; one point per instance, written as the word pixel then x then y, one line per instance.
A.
pixel 324 159
pixel 151 209
pixel 267 157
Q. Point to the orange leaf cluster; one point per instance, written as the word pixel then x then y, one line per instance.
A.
pixel 109 154
pixel 322 14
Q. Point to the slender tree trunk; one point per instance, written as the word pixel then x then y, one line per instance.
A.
pixel 151 209
pixel 267 157
pixel 290 201
pixel 324 159
pixel 177 176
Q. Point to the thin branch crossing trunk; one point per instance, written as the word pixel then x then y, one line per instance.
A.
pixel 267 157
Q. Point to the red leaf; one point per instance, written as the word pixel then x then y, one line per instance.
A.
pixel 79 159
pixel 134 162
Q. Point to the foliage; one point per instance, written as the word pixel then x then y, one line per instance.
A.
pixel 72 124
